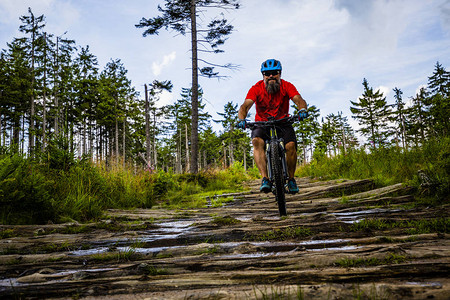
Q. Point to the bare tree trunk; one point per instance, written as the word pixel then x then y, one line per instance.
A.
pixel 22 131
pixel 44 116
pixel 178 162
pixel 55 89
pixel 304 153
pixel 147 126
pixel 188 162
pixel 204 160
pixel 100 144
pixel 32 107
pixel 224 155
pixel 155 153
pixel 91 141
pixel 84 137
pixel 117 134
pixel 231 152
pixel 403 133
pixel 244 150
pixel 123 143
pixel 194 127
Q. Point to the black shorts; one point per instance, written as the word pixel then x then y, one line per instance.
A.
pixel 285 131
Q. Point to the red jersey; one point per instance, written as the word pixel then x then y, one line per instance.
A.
pixel 271 105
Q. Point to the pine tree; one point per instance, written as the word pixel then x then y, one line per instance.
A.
pixel 439 100
pixel 32 25
pixel 156 88
pixel 419 126
pixel 307 131
pixel 15 88
pixel 86 85
pixel 236 141
pixel 181 16
pixel 372 113
pixel 210 147
pixel 115 89
pixel 399 117
pixel 63 73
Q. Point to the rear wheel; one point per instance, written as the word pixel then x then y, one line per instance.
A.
pixel 278 179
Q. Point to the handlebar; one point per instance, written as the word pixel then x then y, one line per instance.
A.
pixel 286 120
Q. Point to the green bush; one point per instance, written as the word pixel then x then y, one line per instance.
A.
pixel 26 194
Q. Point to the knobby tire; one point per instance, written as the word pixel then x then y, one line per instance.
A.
pixel 278 178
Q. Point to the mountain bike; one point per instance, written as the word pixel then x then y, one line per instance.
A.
pixel 276 158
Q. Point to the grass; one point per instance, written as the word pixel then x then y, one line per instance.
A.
pixel 120 256
pixel 389 259
pixel 153 271
pixel 344 200
pixel 390 165
pixel 208 250
pixel 411 227
pixel 278 292
pixel 8 233
pixel 283 234
pixel 221 201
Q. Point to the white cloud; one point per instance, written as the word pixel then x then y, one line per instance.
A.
pixel 384 90
pixel 167 59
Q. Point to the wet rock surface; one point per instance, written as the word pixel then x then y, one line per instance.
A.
pixel 342 239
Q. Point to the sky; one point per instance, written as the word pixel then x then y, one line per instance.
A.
pixel 326 47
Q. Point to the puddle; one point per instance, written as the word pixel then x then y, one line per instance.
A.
pixel 244 219
pixel 146 250
pixel 355 216
pixel 278 244
pixel 165 231
pixel 250 255
pixel 344 248
pixel 425 284
pixel 89 251
pixel 121 249
pixel 318 242
pixel 175 226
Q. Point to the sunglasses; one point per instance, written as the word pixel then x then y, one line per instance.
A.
pixel 273 73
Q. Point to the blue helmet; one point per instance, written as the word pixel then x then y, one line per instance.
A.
pixel 271 65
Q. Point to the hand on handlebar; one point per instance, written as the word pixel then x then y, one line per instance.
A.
pixel 242 124
pixel 302 114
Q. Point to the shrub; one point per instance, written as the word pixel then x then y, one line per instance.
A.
pixel 25 193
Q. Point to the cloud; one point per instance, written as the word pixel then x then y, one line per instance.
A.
pixel 167 59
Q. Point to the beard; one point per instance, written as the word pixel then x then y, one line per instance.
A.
pixel 272 86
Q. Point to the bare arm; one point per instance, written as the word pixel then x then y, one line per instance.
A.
pixel 299 101
pixel 245 107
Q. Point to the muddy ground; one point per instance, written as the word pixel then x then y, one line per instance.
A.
pixel 341 240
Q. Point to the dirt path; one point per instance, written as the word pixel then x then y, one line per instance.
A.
pixel 341 240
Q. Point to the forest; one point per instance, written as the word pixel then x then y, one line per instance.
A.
pixel 76 138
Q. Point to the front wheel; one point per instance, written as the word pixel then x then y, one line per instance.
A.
pixel 278 178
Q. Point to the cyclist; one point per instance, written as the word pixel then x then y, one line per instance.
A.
pixel 271 96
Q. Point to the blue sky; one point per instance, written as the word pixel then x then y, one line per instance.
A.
pixel 326 47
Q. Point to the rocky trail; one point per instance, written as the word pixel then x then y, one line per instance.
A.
pixel 341 240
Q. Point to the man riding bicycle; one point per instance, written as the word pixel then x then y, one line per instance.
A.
pixel 271 96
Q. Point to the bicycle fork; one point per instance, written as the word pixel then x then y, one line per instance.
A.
pixel 269 161
pixel 283 160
